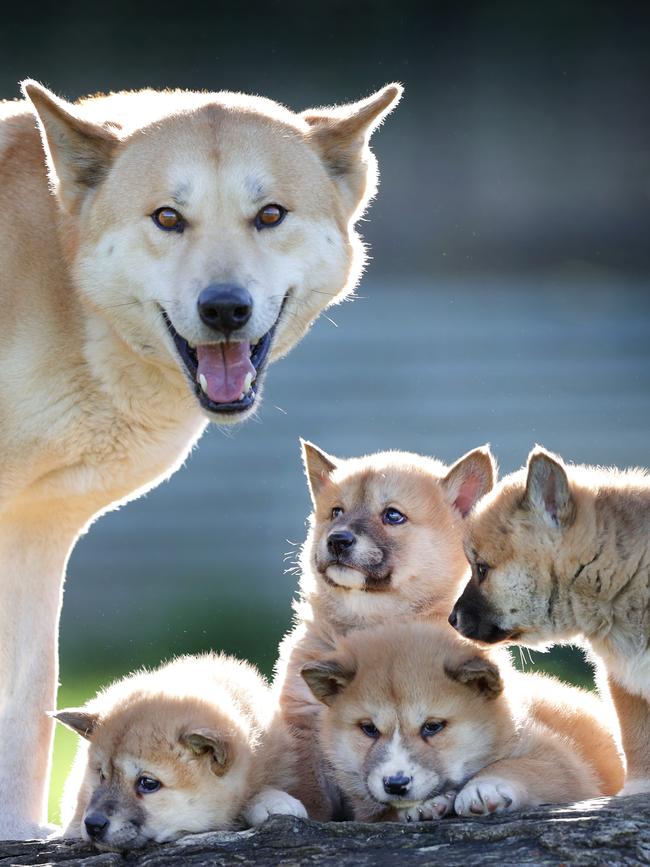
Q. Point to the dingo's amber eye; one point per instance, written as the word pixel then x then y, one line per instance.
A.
pixel 270 215
pixel 168 219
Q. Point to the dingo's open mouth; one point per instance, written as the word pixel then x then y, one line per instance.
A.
pixel 224 375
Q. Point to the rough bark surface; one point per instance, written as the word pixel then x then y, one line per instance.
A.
pixel 607 831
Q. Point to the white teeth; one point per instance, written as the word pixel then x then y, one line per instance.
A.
pixel 248 382
pixel 241 396
pixel 203 382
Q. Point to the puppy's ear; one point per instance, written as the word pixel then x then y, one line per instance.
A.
pixel 79 153
pixel 318 467
pixel 203 742
pixel 81 721
pixel 470 478
pixel 478 673
pixel 547 489
pixel 341 135
pixel 327 679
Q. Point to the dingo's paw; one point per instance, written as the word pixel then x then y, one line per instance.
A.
pixel 635 786
pixel 272 802
pixel 488 795
pixel 11 829
pixel 431 809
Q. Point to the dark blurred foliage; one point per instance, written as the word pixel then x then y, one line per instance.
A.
pixel 523 139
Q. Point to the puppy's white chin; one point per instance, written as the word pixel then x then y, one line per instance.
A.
pixel 346 576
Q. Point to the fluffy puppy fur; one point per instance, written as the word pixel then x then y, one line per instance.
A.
pixel 418 723
pixel 561 554
pixel 385 541
pixel 196 745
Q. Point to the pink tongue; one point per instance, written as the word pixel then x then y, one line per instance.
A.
pixel 224 366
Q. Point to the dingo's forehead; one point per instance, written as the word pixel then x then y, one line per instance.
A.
pixel 202 156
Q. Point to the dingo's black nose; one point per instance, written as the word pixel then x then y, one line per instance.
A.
pixel 96 825
pixel 453 617
pixel 397 785
pixel 225 307
pixel 339 541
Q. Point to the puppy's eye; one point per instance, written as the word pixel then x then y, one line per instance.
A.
pixel 370 730
pixel 432 727
pixel 168 219
pixel 336 512
pixel 101 775
pixel 393 517
pixel 146 785
pixel 270 215
pixel 482 570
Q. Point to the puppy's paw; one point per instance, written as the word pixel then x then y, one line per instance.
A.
pixel 431 809
pixel 272 802
pixel 488 795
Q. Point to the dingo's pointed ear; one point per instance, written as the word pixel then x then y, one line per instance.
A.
pixel 318 467
pixel 341 135
pixel 470 478
pixel 79 153
pixel 81 721
pixel 203 742
pixel 478 673
pixel 327 679
pixel 547 489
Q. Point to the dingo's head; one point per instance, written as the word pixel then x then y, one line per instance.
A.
pixel 210 230
pixel 386 534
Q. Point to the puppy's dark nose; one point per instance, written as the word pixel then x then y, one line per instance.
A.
pixel 225 307
pixel 339 541
pixel 453 618
pixel 96 825
pixel 397 785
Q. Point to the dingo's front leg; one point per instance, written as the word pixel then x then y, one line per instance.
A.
pixel 33 555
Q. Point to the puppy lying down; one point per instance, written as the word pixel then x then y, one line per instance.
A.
pixel 418 723
pixel 195 745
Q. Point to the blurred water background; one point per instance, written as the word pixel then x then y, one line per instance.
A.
pixel 507 298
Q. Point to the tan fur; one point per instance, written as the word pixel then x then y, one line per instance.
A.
pixel 498 748
pixel 205 727
pixel 411 570
pixel 566 559
pixel 96 404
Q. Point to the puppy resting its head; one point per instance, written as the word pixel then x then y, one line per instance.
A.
pixel 419 722
pixel 192 746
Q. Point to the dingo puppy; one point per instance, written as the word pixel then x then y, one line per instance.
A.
pixel 418 722
pixel 164 248
pixel 196 745
pixel 385 541
pixel 562 553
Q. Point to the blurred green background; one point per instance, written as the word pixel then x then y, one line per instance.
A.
pixel 506 299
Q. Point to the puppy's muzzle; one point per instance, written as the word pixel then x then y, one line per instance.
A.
pixel 398 784
pixel 96 825
pixel 471 616
pixel 339 542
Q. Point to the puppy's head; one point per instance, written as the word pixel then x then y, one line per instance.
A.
pixel 515 545
pixel 157 767
pixel 410 711
pixel 210 230
pixel 386 534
